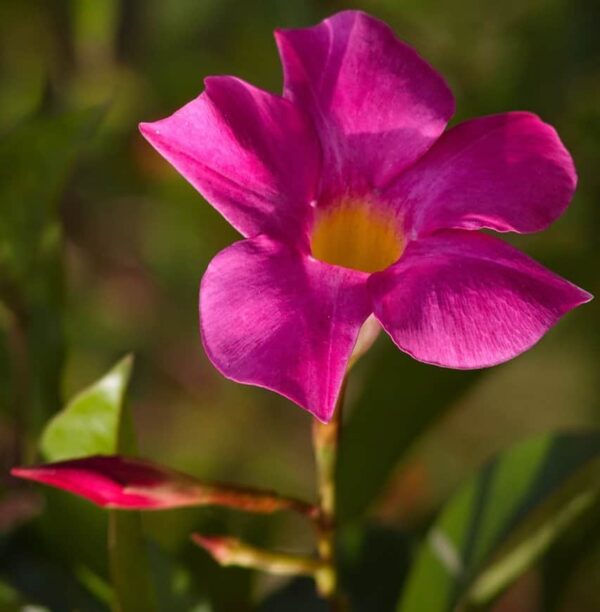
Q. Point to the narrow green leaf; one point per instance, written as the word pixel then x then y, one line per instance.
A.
pixel 502 520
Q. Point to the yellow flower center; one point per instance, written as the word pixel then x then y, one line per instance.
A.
pixel 357 235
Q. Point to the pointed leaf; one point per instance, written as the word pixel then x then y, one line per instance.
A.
pixel 502 520
pixel 90 424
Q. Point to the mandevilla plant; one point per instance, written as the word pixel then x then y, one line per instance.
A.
pixel 359 212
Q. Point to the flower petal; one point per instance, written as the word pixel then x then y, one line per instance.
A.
pixel 118 482
pixel 377 105
pixel 467 300
pixel 251 154
pixel 274 318
pixel 507 172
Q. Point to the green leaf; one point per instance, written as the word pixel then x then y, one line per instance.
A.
pixel 400 400
pixel 502 520
pixel 91 422
pixel 95 422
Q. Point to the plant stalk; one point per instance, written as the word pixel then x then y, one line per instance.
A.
pixel 326 440
pixel 260 501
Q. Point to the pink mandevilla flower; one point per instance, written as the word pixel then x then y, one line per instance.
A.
pixel 354 201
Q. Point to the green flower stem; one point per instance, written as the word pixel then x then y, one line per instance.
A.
pixel 326 437
pixel 231 551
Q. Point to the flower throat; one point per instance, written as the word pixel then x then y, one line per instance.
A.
pixel 355 234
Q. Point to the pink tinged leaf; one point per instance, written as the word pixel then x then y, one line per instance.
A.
pixel 377 105
pixel 251 154
pixel 467 300
pixel 274 318
pixel 507 172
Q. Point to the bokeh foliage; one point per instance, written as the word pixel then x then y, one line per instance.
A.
pixel 102 247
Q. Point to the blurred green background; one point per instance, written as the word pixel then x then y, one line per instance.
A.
pixel 104 246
